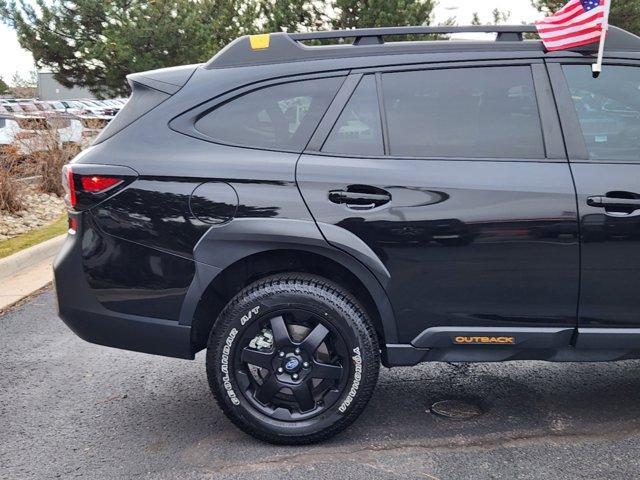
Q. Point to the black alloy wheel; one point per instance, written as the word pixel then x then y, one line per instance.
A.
pixel 301 373
pixel 292 359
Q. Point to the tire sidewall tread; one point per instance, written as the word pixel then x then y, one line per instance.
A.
pixel 267 295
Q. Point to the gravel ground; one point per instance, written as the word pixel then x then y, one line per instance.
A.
pixel 69 409
pixel 39 209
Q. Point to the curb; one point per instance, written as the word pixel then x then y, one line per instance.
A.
pixel 30 257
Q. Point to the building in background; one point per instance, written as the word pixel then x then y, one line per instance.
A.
pixel 50 89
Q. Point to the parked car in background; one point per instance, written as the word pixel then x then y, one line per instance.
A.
pixel 92 126
pixel 95 108
pixel 11 107
pixel 8 129
pixel 15 100
pixel 70 129
pixel 111 105
pixel 74 106
pixel 28 106
pixel 57 105
pixel 34 134
pixel 44 107
pixel 34 126
pixel 74 122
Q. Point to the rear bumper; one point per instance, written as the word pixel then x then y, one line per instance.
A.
pixel 88 319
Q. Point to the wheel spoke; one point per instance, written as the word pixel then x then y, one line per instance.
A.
pixel 324 370
pixel 314 339
pixel 298 317
pixel 243 379
pixel 256 357
pixel 280 332
pixel 299 341
pixel 266 391
pixel 304 397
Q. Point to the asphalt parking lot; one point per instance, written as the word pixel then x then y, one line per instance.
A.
pixel 69 409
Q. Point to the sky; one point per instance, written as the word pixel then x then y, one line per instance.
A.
pixel 14 59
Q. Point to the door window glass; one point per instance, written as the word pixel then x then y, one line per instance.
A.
pixel 463 112
pixel 608 109
pixel 280 117
pixel 358 130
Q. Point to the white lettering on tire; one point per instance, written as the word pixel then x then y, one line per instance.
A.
pixel 251 313
pixel 226 379
pixel 226 350
pixel 357 377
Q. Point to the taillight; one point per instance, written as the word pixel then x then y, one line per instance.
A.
pixel 98 183
pixel 73 225
pixel 87 185
pixel 69 185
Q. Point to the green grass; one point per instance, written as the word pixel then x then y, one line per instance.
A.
pixel 39 235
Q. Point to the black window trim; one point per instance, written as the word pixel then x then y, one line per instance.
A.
pixel 450 64
pixel 331 117
pixel 383 115
pixel 332 114
pixel 185 122
pixel 552 135
pixel 553 143
pixel 574 139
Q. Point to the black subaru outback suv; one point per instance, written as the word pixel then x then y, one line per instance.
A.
pixel 306 210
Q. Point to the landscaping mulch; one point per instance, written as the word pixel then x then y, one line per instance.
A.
pixel 39 209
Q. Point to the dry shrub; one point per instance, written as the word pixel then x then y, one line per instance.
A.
pixel 10 201
pixel 51 163
pixel 40 146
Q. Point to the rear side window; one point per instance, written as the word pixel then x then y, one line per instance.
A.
pixel 279 117
pixel 358 130
pixel 608 109
pixel 464 112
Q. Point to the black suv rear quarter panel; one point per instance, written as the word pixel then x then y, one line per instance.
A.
pixel 138 246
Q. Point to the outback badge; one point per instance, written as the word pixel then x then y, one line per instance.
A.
pixel 484 340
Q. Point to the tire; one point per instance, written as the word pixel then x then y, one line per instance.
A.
pixel 311 343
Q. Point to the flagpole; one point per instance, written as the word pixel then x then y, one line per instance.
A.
pixel 597 67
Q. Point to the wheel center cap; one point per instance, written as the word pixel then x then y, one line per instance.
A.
pixel 292 365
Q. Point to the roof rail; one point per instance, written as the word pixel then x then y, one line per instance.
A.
pixel 286 47
pixel 375 36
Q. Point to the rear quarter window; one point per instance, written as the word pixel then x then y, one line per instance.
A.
pixel 358 130
pixel 278 117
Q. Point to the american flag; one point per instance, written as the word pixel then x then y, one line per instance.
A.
pixel 580 22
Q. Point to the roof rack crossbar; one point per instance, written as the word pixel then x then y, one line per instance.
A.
pixel 289 47
pixel 376 35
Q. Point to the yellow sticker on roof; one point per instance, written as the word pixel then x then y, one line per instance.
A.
pixel 259 42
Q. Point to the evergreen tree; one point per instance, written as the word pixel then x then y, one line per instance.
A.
pixel 291 15
pixel 96 43
pixel 381 13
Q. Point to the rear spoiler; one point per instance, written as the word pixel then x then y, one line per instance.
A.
pixel 148 90
pixel 167 80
